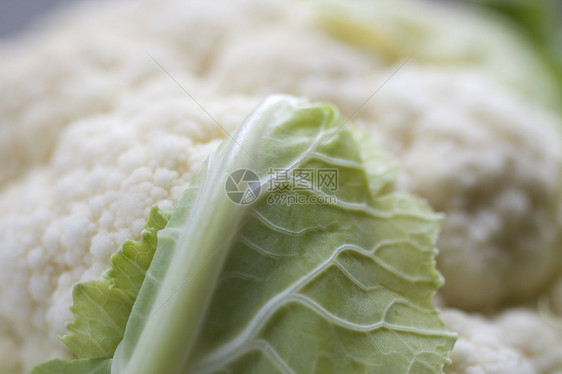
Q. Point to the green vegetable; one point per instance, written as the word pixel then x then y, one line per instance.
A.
pixel 76 366
pixel 338 281
pixel 102 307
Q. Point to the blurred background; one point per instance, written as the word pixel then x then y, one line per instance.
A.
pixel 17 15
pixel 539 20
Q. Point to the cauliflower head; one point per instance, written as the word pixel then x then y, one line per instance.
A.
pixel 131 106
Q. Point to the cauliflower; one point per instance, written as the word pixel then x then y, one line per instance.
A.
pixel 95 193
pixel 493 166
pixel 90 143
pixel 517 341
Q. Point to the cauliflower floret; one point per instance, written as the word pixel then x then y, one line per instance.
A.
pixel 61 223
pixel 82 66
pixel 312 68
pixel 493 165
pixel 516 342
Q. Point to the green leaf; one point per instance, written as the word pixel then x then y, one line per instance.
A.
pixel 435 34
pixel 339 281
pixel 380 169
pixel 101 307
pixel 74 367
